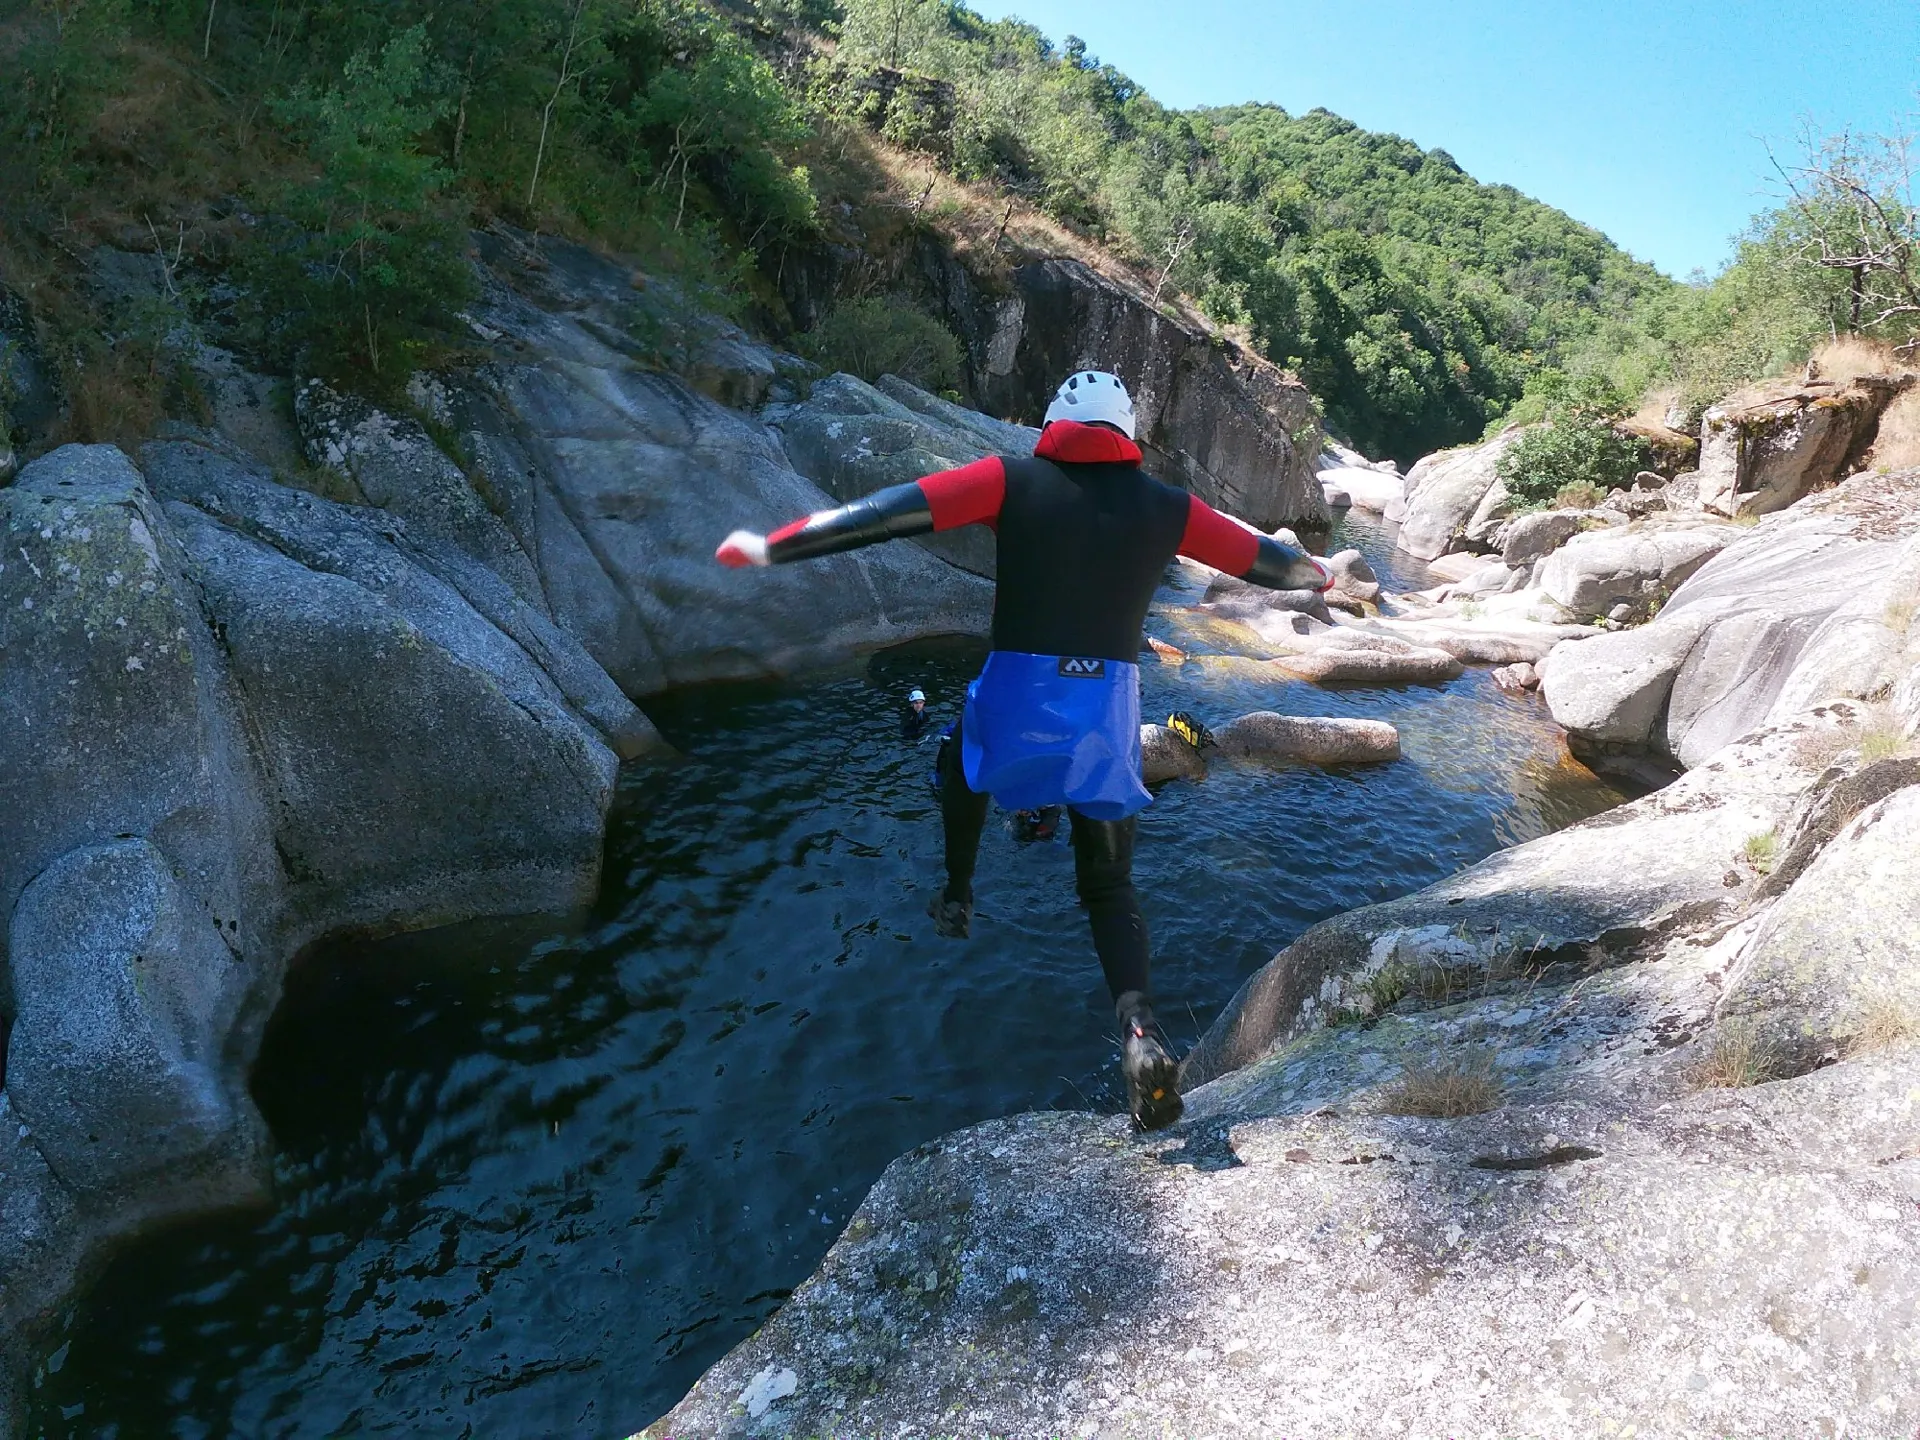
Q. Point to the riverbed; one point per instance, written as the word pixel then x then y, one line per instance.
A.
pixel 535 1183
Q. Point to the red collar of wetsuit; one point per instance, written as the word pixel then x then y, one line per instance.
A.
pixel 1078 444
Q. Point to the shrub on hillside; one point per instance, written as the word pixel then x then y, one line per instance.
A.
pixel 364 264
pixel 1576 446
pixel 879 336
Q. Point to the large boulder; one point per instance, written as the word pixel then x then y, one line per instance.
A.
pixel 1840 951
pixel 397 466
pixel 1444 493
pixel 1735 648
pixel 1596 894
pixel 1612 689
pixel 1213 417
pixel 410 802
pixel 117 717
pixel 1719 1264
pixel 1534 537
pixel 127 994
pixel 1165 756
pixel 1592 573
pixel 1275 739
pixel 1365 487
pixel 1779 441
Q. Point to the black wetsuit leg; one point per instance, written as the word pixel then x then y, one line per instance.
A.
pixel 1103 873
pixel 963 815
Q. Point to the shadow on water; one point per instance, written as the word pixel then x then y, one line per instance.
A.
pixel 536 1187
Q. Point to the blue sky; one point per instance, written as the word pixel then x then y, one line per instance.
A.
pixel 1645 118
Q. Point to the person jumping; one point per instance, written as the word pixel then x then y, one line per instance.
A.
pixel 1083 537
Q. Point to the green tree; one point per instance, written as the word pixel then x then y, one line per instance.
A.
pixel 1578 446
pixel 367 265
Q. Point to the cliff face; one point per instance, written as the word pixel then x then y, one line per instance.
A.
pixel 1236 430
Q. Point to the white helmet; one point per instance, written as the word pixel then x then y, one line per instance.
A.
pixel 1093 395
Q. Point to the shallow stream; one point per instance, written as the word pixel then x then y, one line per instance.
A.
pixel 535 1186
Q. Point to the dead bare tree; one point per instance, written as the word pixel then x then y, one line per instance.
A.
pixel 567 76
pixel 1177 246
pixel 1853 197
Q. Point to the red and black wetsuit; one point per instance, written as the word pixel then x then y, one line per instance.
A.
pixel 1084 538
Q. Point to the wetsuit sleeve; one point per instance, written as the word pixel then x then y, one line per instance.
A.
pixel 1213 539
pixel 944 501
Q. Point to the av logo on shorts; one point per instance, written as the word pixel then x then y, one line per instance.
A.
pixel 1078 668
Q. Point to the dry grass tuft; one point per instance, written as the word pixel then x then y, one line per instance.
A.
pixel 1897 444
pixel 1581 495
pixel 1885 1020
pixel 1738 1056
pixel 1851 356
pixel 1445 1089
pixel 1655 405
pixel 1883 742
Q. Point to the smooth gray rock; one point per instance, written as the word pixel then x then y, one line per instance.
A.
pixel 1613 689
pixel 1843 790
pixel 398 467
pixel 1274 739
pixel 1444 491
pixel 1365 487
pixel 1592 573
pixel 628 480
pixel 115 715
pixel 1542 1271
pixel 1841 945
pixel 431 581
pixel 1165 756
pixel 1528 538
pixel 1756 607
pixel 461 785
pixel 126 996
pixel 1596 894
pixel 1739 634
pixel 994 437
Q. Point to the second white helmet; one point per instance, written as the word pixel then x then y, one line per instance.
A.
pixel 1093 395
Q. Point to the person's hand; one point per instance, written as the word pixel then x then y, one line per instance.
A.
pixel 741 549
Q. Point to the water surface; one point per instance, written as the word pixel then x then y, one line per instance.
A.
pixel 536 1186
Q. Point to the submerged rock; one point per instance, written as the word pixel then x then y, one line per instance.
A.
pixel 1166 756
pixel 1298 740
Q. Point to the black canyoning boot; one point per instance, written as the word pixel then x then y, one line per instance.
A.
pixel 1151 1073
pixel 951 918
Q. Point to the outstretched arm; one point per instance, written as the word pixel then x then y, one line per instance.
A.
pixel 1227 545
pixel 967 496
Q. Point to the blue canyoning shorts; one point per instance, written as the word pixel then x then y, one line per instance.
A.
pixel 1055 730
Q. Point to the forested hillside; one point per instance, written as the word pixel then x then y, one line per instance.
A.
pixel 301 174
